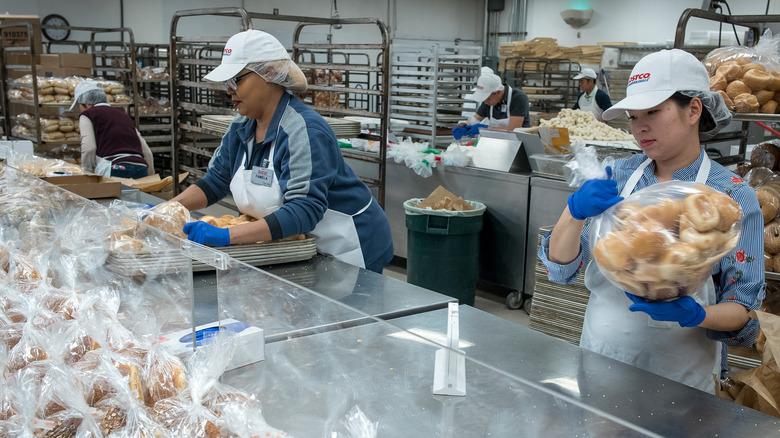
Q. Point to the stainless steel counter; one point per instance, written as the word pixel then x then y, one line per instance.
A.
pixel 522 383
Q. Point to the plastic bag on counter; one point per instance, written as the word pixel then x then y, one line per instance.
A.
pixel 61 408
pixel 663 241
pixel 354 425
pixel 416 156
pixel 457 155
pixel 586 165
pixel 169 217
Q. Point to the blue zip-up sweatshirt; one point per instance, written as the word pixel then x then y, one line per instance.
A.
pixel 311 173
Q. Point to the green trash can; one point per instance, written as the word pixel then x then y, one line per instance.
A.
pixel 443 249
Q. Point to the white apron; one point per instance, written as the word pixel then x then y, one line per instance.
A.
pixel 501 123
pixel 335 233
pixel 589 103
pixel 103 165
pixel 682 354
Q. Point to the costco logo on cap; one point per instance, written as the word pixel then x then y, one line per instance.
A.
pixel 638 79
pixel 227 52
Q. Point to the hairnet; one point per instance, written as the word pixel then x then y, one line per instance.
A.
pixel 92 97
pixel 283 72
pixel 714 104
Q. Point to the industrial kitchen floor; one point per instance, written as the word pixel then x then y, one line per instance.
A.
pixel 488 299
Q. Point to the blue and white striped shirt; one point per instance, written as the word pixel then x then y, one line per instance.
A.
pixel 738 277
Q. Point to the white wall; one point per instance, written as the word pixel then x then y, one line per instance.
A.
pixel 626 20
pixel 150 20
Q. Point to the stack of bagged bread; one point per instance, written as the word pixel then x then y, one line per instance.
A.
pixel 53 129
pixel 662 242
pixel 747 83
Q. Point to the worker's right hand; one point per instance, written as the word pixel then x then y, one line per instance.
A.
pixel 595 196
pixel 207 234
pixel 459 131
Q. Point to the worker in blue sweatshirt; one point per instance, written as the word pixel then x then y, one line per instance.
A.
pixel 282 164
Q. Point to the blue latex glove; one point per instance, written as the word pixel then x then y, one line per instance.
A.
pixel 459 131
pixel 684 311
pixel 473 130
pixel 207 234
pixel 595 196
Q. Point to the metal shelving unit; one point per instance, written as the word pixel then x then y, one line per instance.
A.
pixel 428 86
pixel 362 92
pixel 547 82
pixel 153 122
pixel 100 66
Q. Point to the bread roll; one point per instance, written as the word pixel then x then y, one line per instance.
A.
pixel 730 72
pixel 772 237
pixel 746 103
pixel 718 83
pixel 765 155
pixel 769 205
pixel 736 88
pixel 675 263
pixel 769 107
pixel 751 66
pixel 756 79
pixel 764 96
pixel 774 81
pixel 727 100
pixel 211 220
pixel 701 212
pixel 728 209
pixel 613 252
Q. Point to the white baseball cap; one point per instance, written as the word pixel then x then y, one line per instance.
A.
pixel 586 73
pixel 656 77
pixel 487 84
pixel 81 88
pixel 244 48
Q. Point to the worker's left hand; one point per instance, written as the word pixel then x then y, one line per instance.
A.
pixel 473 130
pixel 684 311
pixel 207 234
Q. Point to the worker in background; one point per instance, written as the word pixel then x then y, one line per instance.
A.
pixel 500 106
pixel 591 98
pixel 671 111
pixel 282 164
pixel 110 143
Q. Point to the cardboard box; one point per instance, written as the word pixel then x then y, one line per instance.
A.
pixel 62 72
pixel 249 344
pixel 88 186
pixel 49 59
pixel 81 60
pixel 20 58
pixel 18 36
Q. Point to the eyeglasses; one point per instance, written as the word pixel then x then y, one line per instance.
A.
pixel 232 83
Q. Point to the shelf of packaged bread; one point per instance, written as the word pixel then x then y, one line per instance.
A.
pixel 65 104
pixel 45 141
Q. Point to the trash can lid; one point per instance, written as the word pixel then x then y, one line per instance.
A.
pixel 410 207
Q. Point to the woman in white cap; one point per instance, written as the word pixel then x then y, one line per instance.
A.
pixel 110 143
pixel 500 106
pixel 671 109
pixel 282 164
pixel 591 98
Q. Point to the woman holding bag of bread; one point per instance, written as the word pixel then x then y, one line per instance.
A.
pixel 671 108
pixel 281 162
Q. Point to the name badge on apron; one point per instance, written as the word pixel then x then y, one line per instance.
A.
pixel 262 176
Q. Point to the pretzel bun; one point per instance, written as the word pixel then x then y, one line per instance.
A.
pixel 730 72
pixel 735 88
pixel 718 82
pixel 769 204
pixel 756 79
pixel 745 103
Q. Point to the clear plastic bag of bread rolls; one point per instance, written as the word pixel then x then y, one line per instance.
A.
pixel 662 242
pixel 61 408
pixel 169 217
